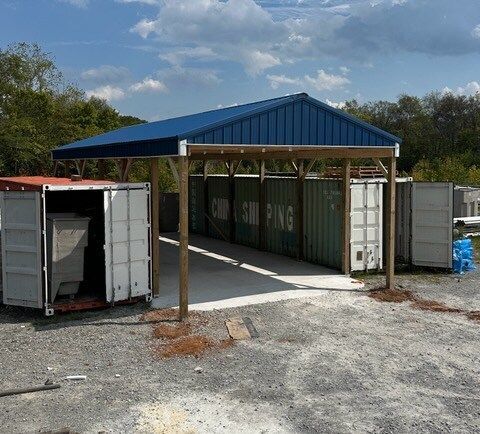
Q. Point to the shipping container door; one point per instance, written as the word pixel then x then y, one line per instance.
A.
pixel 366 226
pixel 432 224
pixel 127 231
pixel 21 248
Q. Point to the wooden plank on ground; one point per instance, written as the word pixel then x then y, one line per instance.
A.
pixel 237 329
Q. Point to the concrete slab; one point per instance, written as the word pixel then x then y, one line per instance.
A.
pixel 224 275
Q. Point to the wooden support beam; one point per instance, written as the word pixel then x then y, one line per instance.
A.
pixel 174 170
pixel 66 165
pixel 127 164
pixel 55 167
pixel 262 206
pixel 236 167
pixel 294 165
pixel 236 152
pixel 346 205
pixel 183 247
pixel 155 225
pixel 390 235
pixel 299 222
pixel 309 167
pixel 101 169
pixel 381 167
pixel 231 201
pixel 80 165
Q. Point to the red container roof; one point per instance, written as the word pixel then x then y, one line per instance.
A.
pixel 34 183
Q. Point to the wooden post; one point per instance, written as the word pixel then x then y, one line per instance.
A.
pixel 346 229
pixel 299 222
pixel 183 248
pixel 262 195
pixel 206 222
pixel 231 201
pixel 101 169
pixel 155 223
pixel 390 238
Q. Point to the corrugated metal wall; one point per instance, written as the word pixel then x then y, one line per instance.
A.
pixel 302 122
pixel 323 222
pixel 195 205
pixel 281 216
pixel 247 211
pixel 322 215
pixel 218 207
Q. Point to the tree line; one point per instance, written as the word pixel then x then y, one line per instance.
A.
pixel 40 111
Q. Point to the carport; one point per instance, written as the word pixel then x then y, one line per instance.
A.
pixel 296 128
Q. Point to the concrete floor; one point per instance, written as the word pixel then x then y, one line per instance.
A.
pixel 224 275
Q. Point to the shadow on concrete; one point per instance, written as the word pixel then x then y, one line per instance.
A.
pixel 229 275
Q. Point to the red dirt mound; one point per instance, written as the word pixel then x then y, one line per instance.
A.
pixel 167 331
pixel 391 295
pixel 193 345
pixel 434 306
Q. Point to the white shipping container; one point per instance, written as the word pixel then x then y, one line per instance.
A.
pixel 366 224
pixel 117 259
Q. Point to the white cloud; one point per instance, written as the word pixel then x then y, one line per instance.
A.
pixel 148 85
pixel 181 55
pixel 470 89
pixel 108 93
pixel 325 81
pixel 236 30
pixel 277 80
pixel 106 73
pixel 344 70
pixel 182 76
pixel 476 31
pixel 339 105
pixel 255 62
pixel 264 33
pixel 146 2
pixel 144 28
pixel 78 3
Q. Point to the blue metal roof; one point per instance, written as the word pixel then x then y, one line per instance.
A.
pixel 290 120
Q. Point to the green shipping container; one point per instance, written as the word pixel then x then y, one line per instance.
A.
pixel 218 207
pixel 280 217
pixel 322 222
pixel 247 210
pixel 322 215
pixel 196 204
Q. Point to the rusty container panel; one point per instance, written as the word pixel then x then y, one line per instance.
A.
pixel 323 222
pixel 246 210
pixel 218 207
pixel 196 205
pixel 281 215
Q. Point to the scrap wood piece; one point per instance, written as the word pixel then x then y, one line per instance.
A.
pixel 237 329
pixel 251 328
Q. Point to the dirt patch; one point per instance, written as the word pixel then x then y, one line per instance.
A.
pixel 403 295
pixel 434 306
pixel 173 331
pixel 391 295
pixel 193 345
pixel 174 338
pixel 474 315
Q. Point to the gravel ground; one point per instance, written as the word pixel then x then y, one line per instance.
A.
pixel 339 362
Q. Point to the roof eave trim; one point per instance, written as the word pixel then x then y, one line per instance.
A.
pixel 133 149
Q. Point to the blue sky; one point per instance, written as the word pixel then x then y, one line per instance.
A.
pixel 161 58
